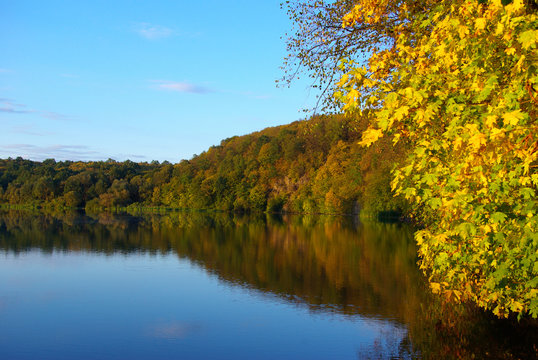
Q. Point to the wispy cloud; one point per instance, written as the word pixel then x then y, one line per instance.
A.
pixel 136 157
pixel 153 32
pixel 60 152
pixel 29 130
pixel 188 87
pixel 5 71
pixel 11 110
pixel 181 86
pixel 55 116
pixel 11 107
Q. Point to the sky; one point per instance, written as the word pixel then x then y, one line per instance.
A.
pixel 140 80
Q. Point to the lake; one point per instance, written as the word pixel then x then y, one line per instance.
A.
pixel 226 286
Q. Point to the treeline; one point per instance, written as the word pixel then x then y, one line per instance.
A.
pixel 313 166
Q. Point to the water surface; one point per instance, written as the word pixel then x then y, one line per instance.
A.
pixel 209 286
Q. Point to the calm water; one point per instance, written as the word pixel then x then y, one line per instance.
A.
pixel 199 286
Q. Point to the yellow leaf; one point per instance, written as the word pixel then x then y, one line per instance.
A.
pixel 520 63
pixel 370 136
pixel 528 38
pixel 510 51
pixel 457 143
pixel 396 138
pixel 343 80
pixel 500 29
pixel 476 87
pixel 491 120
pixel 480 24
pixel 516 306
pixel 463 31
pixel 477 140
pixel 514 6
pixel 401 112
pixel 513 117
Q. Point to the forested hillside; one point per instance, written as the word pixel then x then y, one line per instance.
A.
pixel 308 166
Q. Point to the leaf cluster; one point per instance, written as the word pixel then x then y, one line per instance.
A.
pixel 459 87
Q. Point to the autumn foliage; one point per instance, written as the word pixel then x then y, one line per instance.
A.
pixel 459 86
pixel 312 166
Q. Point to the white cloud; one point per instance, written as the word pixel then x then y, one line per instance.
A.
pixel 181 86
pixel 153 32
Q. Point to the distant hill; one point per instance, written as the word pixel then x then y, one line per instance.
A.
pixel 311 166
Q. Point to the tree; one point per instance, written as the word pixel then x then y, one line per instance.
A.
pixel 460 87
pixel 318 41
pixel 117 195
pixel 43 189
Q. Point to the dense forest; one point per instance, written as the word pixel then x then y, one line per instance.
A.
pixel 312 166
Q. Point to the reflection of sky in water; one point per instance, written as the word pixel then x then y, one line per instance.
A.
pixel 88 305
pixel 173 330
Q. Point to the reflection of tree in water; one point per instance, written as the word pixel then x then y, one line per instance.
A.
pixel 326 263
pixel 330 264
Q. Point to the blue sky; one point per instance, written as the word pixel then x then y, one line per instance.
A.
pixel 140 80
